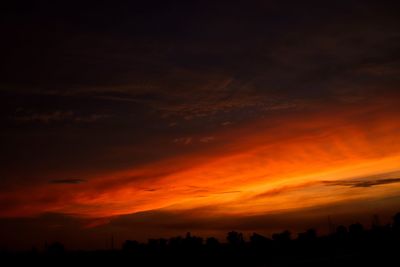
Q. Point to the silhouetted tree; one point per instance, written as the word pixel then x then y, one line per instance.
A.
pixel 341 233
pixel 235 238
pixel 346 246
pixel 356 230
pixel 284 236
pixel 258 240
pixel 158 244
pixel 212 242
pixel 192 241
pixel 175 242
pixel 341 230
pixel 309 235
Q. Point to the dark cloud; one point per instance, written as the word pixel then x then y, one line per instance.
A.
pixel 150 190
pixel 67 181
pixel 360 183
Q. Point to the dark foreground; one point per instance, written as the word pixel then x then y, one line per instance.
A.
pixel 347 246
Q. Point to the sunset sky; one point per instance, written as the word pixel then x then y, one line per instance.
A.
pixel 154 118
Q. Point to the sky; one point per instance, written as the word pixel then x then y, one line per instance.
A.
pixel 144 119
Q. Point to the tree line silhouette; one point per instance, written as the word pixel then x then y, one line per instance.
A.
pixel 353 245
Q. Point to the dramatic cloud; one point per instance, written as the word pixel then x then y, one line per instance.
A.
pixel 164 110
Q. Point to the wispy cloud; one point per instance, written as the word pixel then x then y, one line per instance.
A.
pixel 207 139
pixel 360 183
pixel 48 117
pixel 285 189
pixel 183 140
pixel 57 116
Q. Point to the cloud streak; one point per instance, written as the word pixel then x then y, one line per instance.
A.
pixel 362 184
pixel 67 181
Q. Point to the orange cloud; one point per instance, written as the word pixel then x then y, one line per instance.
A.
pixel 261 167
